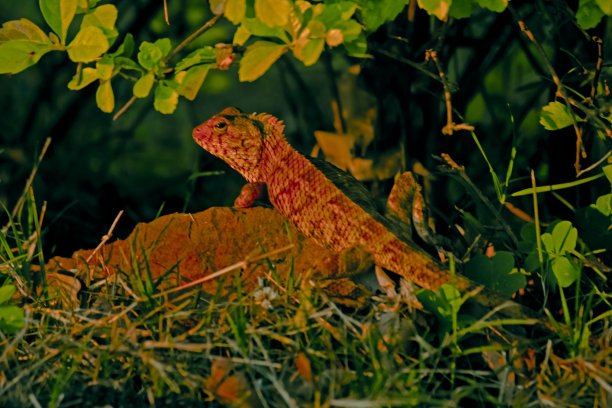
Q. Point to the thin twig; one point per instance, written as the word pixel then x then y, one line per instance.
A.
pixel 597 163
pixel 105 238
pixel 192 37
pixel 124 107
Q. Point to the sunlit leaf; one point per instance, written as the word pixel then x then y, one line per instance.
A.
pixel 143 86
pixel 604 204
pixel 6 292
pixel 105 67
pixel 273 12
pixel 605 6
pixel 58 14
pixel 564 236
pixel 191 80
pixel 312 50
pixel 24 30
pixel 12 319
pixel 166 99
pixel 555 116
pixel 565 272
pixel 589 14
pixel 258 58
pixel 15 56
pixel 235 10
pixel 105 99
pixel 84 78
pixel 88 45
pixel 241 35
pixel 103 17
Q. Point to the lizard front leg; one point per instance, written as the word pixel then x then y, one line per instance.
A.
pixel 249 193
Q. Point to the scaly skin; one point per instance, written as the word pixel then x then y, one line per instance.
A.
pixel 322 201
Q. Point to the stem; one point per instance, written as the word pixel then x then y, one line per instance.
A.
pixel 192 37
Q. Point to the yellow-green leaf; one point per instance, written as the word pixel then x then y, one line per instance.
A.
pixel 15 56
pixel 555 116
pixel 143 86
pixel 241 35
pixel 166 99
pixel 258 58
pixel 273 12
pixel 58 14
pixel 105 68
pixel 105 99
pixel 102 16
pixel 235 10
pixel 84 78
pixel 605 6
pixel 191 80
pixel 88 45
pixel 312 51
pixel 23 30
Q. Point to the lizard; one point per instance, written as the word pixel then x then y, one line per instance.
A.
pixel 324 202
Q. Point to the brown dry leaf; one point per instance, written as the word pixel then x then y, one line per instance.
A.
pixel 182 248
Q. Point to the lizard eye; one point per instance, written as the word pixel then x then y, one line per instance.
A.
pixel 220 125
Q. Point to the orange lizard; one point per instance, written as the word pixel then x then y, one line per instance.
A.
pixel 322 201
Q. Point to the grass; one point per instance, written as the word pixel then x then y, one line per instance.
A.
pixel 129 344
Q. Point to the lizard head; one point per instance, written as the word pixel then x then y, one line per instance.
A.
pixel 235 137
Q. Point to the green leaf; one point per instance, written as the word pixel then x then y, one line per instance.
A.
pixel 377 12
pixel 564 237
pixel 589 14
pixel 166 99
pixel 273 12
pixel 565 272
pixel 6 292
pixel 12 319
pixel 86 77
pixel 88 45
pixel 358 48
pixel 461 8
pixel 603 204
pixel 605 6
pixel 58 14
pixel 143 86
pixel 438 8
pixel 15 56
pixel 199 56
pixel 257 58
pixel 122 62
pixel 149 55
pixel 608 172
pixel 105 99
pixel 126 48
pixel 494 5
pixel 496 272
pixel 191 80
pixel 235 10
pixel 555 116
pixel 336 13
pixel 103 17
